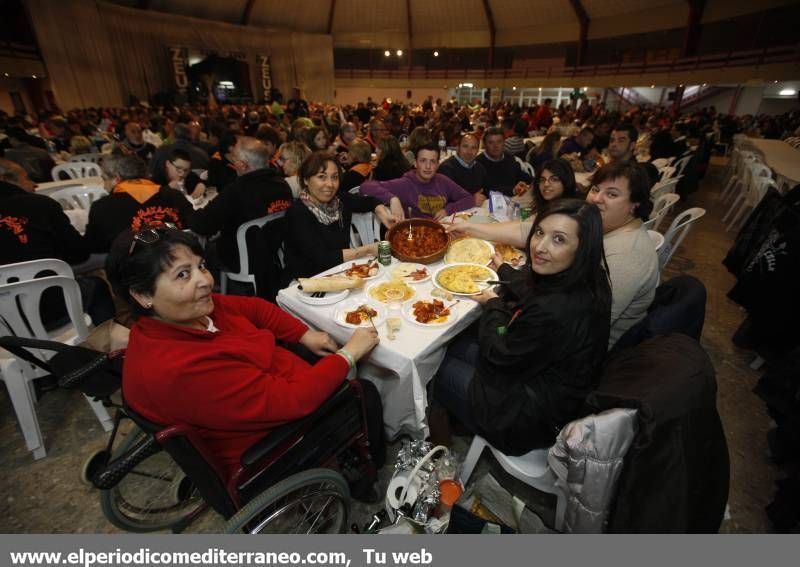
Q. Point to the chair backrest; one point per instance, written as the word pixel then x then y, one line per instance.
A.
pixel 657 238
pixel 23 271
pixel 355 190
pixel 19 307
pixel 526 167
pixel 661 163
pixel 664 187
pixel 79 197
pixel 93 158
pixel 661 207
pixel 677 231
pixel 241 238
pixel 681 164
pixel 76 170
pixel 365 228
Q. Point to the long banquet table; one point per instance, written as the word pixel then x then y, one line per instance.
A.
pixel 782 158
pixel 402 368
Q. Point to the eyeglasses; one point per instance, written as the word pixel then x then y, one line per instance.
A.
pixel 552 179
pixel 180 169
pixel 150 235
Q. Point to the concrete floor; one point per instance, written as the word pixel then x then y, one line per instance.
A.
pixel 46 496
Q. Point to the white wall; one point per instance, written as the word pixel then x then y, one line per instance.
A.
pixel 775 106
pixel 749 100
pixel 722 102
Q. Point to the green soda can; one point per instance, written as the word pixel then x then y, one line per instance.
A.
pixel 384 252
pixel 525 213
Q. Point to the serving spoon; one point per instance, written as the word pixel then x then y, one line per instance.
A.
pixel 410 237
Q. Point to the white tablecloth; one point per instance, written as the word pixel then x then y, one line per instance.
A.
pixel 400 369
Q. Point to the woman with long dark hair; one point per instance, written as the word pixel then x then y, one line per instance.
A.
pixel 539 348
pixel 556 180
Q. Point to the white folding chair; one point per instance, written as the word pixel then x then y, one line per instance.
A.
pixel 676 232
pixel 759 185
pixel 78 197
pixel 753 171
pixel 355 190
pixel 76 170
pixel 531 468
pixel 93 158
pixel 19 316
pixel 244 275
pixel 365 228
pixel 664 187
pixel 741 160
pixel 23 271
pixel 680 165
pixel 526 167
pixel 657 238
pixel 661 207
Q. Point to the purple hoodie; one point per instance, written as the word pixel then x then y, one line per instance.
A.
pixel 425 199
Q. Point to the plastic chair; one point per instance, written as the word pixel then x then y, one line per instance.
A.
pixel 750 180
pixel 76 170
pixel 355 190
pixel 657 238
pixel 365 228
pixel 664 187
pixel 526 167
pixel 78 197
pixel 680 165
pixel 676 232
pixel 740 162
pixel 530 468
pixel 758 188
pixel 244 275
pixel 92 158
pixel 661 207
pixel 19 316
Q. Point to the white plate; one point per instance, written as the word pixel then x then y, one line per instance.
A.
pixel 412 268
pixel 408 312
pixel 340 269
pixel 488 245
pixel 375 284
pixel 351 305
pixel 449 266
pixel 329 298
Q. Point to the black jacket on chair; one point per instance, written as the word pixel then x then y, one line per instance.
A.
pixel 676 473
pixel 678 307
pixel 532 379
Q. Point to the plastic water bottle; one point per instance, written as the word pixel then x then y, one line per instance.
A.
pixel 442 144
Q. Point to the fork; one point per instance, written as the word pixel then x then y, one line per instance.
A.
pixel 410 236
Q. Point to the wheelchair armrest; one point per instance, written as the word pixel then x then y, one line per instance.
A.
pixel 288 431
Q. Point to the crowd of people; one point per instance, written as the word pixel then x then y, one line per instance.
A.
pixel 591 275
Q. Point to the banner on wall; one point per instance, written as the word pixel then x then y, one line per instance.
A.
pixel 179 61
pixel 266 75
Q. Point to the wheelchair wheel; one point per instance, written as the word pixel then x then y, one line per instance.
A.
pixel 93 464
pixel 313 501
pixel 155 495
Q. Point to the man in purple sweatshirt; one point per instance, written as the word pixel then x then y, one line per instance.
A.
pixel 422 191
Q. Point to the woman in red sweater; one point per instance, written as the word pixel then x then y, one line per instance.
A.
pixel 212 361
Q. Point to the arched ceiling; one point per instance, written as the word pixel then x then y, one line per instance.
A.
pixel 455 23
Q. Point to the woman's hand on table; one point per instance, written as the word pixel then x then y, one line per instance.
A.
pixel 440 215
pixel 318 342
pixel 480 198
pixel 458 228
pixel 362 342
pixel 386 217
pixel 484 296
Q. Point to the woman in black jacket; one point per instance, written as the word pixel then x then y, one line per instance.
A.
pixel 318 222
pixel 539 349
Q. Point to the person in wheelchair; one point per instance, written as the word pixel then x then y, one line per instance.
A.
pixel 217 362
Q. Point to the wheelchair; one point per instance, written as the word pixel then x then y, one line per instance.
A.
pixel 162 476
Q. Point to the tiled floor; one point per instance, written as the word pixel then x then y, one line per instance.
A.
pixel 47 496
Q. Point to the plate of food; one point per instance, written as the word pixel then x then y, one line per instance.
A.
pixel 391 291
pixel 464 279
pixel 427 244
pixel 410 273
pixel 430 312
pixel 513 256
pixel 368 270
pixel 470 251
pixel 356 313
pixel 325 290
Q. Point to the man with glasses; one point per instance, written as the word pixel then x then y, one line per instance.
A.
pixel 182 133
pixel 133 203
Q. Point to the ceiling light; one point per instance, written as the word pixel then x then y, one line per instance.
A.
pixel 5 74
pixel 788 92
pixel 399 52
pixel 387 53
pixel 34 76
pixel 436 54
pixel 652 86
pixel 776 82
pixel 513 88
